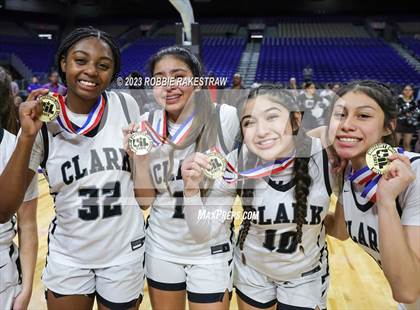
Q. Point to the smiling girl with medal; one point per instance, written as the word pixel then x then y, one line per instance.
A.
pixel 187 122
pixel 282 178
pixel 96 239
pixel 379 199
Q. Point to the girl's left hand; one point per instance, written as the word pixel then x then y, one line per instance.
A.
pixel 397 178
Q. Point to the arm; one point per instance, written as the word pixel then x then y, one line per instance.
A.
pixel 205 220
pixel 399 245
pixel 28 248
pixel 13 179
pixel 335 224
pixel 144 190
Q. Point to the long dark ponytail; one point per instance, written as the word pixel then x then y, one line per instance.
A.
pixel 301 176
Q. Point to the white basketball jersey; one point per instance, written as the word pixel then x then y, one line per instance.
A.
pixel 98 222
pixel 7 230
pixel 362 216
pixel 270 246
pixel 7 146
pixel 168 236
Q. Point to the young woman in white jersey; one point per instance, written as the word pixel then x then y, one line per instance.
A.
pixel 385 222
pixel 188 121
pixel 281 256
pixel 17 266
pixel 95 244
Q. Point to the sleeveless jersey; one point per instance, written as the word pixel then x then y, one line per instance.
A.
pixel 168 236
pixel 362 216
pixel 98 222
pixel 270 246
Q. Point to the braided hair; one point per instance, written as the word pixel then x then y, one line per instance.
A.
pixel 301 176
pixel 79 34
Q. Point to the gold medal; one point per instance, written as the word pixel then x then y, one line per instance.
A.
pixel 217 166
pixel 50 108
pixel 140 143
pixel 377 157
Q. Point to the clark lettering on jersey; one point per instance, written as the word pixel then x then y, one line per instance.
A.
pixel 160 172
pixel 314 215
pixel 366 236
pixel 100 160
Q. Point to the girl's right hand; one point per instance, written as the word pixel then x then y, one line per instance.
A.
pixel 192 172
pixel 29 112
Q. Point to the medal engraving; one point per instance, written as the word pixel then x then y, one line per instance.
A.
pixel 140 143
pixel 217 166
pixel 377 157
pixel 50 108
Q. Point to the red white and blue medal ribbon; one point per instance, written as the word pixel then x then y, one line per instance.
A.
pixel 156 138
pixel 181 133
pixel 368 179
pixel 259 171
pixel 91 122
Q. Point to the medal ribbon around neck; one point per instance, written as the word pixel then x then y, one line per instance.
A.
pixel 181 133
pixel 260 171
pixel 368 179
pixel 91 122
pixel 156 138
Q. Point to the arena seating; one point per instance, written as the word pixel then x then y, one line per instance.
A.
pixel 36 54
pixel 220 55
pixel 412 43
pixel 333 60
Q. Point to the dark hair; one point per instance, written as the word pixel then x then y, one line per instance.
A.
pixel 203 133
pixel 301 176
pixel 181 53
pixel 8 115
pixel 381 94
pixel 80 34
pixel 308 84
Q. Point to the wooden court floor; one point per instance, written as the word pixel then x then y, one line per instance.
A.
pixel 356 281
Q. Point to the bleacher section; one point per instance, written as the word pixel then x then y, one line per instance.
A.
pixel 206 29
pixel 222 55
pixel 412 43
pixel 135 57
pixel 36 54
pixel 321 30
pixel 333 60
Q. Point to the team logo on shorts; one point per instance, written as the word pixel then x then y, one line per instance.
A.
pixel 50 108
pixel 140 143
pixel 377 157
pixel 217 166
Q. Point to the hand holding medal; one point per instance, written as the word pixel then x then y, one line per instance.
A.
pixel 381 159
pixel 140 138
pixel 377 157
pixel 29 113
pixel 140 143
pixel 216 166
pixel 50 108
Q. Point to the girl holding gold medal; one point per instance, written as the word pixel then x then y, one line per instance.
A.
pixel 96 239
pixel 283 180
pixel 188 121
pixel 379 193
